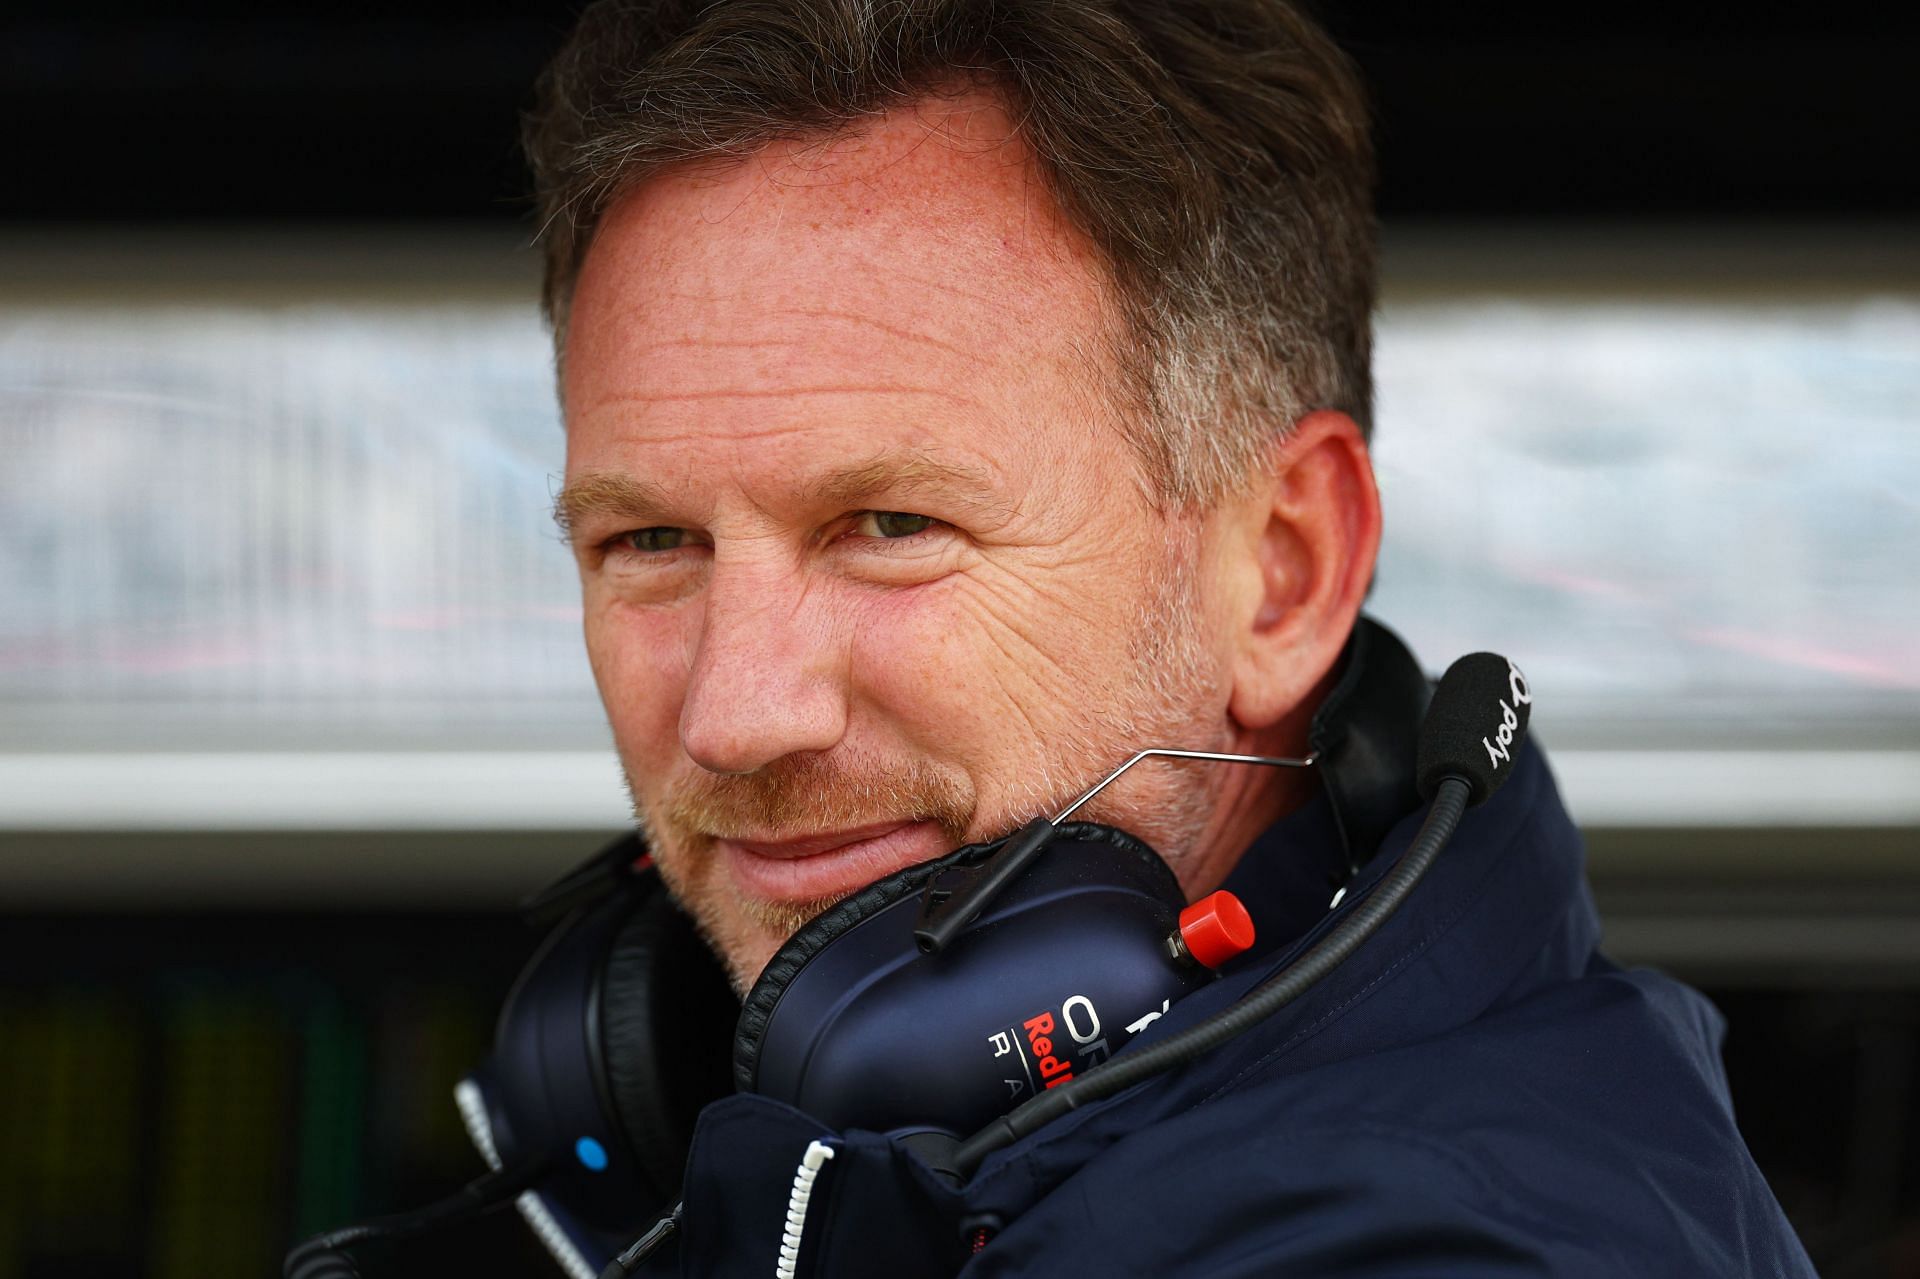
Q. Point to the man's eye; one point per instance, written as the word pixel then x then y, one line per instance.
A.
pixel 892 524
pixel 654 539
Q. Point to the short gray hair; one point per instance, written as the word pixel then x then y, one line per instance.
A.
pixel 1215 151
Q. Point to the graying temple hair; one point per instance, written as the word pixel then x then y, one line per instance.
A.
pixel 1215 151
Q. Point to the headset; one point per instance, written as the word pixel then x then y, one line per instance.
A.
pixel 995 983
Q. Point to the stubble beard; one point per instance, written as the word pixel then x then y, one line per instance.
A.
pixel 1172 700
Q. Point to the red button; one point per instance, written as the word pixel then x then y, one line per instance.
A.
pixel 1216 928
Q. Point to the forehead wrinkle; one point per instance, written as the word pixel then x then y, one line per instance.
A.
pixel 800 342
pixel 863 266
pixel 867 321
pixel 776 393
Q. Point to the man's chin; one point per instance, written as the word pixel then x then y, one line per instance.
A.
pixel 748 901
pixel 782 919
pixel 743 932
pixel 754 933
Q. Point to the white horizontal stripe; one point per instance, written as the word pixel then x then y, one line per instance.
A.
pixel 581 790
pixel 1740 788
pixel 377 790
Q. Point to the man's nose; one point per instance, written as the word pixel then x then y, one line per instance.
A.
pixel 767 678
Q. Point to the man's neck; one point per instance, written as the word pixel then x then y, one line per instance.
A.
pixel 1252 799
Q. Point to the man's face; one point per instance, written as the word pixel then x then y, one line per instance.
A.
pixel 868 569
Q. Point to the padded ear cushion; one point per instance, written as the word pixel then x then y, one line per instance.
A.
pixel 1365 736
pixel 840 918
pixel 666 1016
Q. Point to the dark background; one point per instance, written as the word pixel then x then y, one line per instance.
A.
pixel 181 1091
pixel 124 111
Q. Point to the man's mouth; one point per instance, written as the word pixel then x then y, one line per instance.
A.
pixel 826 864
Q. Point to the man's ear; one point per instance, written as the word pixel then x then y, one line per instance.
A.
pixel 1309 529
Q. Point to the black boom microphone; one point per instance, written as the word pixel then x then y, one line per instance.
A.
pixel 1474 726
pixel 1472 733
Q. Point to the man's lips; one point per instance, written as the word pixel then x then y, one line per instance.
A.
pixel 814 845
pixel 830 864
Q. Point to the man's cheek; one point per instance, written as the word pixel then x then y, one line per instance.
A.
pixel 639 664
pixel 901 663
pixel 951 666
pixel 1049 638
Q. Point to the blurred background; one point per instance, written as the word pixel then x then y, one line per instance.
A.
pixel 292 703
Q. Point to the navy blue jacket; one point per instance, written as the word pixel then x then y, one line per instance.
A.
pixel 1476 1092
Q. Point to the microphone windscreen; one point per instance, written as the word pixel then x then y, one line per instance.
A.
pixel 1474 726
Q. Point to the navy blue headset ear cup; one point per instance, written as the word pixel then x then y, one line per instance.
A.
pixel 756 1013
pixel 814 936
pixel 666 1024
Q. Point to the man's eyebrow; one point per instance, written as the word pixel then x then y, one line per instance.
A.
pixel 596 494
pixel 599 493
pixel 902 473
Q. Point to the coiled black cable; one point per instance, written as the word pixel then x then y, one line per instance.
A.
pixel 325 1256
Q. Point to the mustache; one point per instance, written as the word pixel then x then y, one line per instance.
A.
pixel 807 793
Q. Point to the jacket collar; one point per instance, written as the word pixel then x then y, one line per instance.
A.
pixel 1504 911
